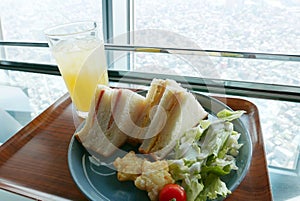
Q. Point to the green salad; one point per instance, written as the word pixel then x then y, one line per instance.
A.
pixel 204 154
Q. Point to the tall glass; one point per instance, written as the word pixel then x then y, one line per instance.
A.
pixel 79 53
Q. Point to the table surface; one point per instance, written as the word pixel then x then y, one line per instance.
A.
pixel 33 163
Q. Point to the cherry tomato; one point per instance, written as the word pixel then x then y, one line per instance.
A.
pixel 172 192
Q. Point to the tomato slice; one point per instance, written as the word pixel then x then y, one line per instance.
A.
pixel 172 192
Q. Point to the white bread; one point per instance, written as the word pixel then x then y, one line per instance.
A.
pixel 163 112
pixel 108 123
pixel 91 135
pixel 153 96
pixel 178 111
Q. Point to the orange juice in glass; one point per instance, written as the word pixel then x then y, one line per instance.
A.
pixel 79 53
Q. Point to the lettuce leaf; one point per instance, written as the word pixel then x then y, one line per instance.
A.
pixel 228 115
pixel 204 154
pixel 213 186
pixel 214 137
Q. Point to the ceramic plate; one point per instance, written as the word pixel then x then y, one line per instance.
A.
pixel 98 182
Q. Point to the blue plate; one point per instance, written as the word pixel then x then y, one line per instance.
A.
pixel 101 183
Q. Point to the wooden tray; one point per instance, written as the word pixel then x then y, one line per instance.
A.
pixel 33 162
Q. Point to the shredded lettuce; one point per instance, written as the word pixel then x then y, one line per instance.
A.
pixel 214 137
pixel 214 187
pixel 229 115
pixel 204 154
pixel 193 187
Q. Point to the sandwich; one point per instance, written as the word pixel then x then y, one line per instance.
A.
pixel 154 122
pixel 111 118
pixel 176 110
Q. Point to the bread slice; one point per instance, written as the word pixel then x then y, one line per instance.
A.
pixel 162 112
pixel 153 96
pixel 92 135
pixel 127 107
pixel 111 118
pixel 177 111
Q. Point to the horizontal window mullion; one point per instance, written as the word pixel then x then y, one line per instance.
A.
pixel 30 67
pixel 24 44
pixel 240 88
pixel 200 52
pixel 183 51
pixel 229 87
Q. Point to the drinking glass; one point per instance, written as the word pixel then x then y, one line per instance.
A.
pixel 79 53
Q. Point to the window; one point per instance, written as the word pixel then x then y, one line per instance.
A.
pixel 25 21
pixel 249 26
pixel 265 30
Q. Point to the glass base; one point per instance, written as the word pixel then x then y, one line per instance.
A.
pixel 81 114
pixel 78 117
